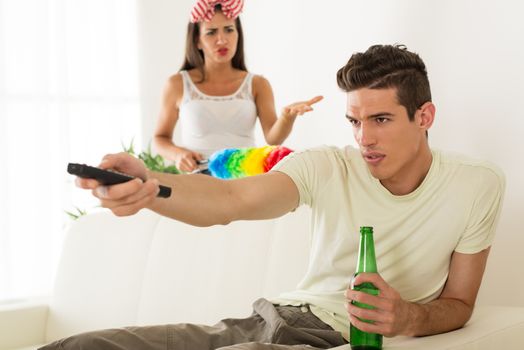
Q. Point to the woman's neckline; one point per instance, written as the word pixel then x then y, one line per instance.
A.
pixel 197 89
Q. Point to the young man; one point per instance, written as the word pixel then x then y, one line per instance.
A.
pixel 434 216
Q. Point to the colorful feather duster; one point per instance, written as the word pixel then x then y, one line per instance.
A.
pixel 234 163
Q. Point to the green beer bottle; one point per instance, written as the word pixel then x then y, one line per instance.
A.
pixel 367 262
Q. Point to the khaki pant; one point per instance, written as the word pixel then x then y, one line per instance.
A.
pixel 268 328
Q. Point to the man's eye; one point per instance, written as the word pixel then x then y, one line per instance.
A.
pixel 354 122
pixel 382 120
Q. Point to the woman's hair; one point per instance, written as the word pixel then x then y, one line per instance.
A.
pixel 388 66
pixel 195 57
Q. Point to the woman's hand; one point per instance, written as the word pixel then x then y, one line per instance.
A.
pixel 186 160
pixel 298 108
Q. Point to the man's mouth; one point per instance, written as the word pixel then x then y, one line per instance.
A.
pixel 373 157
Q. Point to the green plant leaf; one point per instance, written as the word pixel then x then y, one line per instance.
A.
pixel 129 149
pixel 152 162
pixel 75 216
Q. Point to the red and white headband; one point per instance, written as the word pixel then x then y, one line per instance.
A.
pixel 204 10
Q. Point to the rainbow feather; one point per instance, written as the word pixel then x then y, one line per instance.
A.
pixel 234 163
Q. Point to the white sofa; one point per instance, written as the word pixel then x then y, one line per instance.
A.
pixel 146 269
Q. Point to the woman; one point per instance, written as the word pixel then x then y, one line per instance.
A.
pixel 213 97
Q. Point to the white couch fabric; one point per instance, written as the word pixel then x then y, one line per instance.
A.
pixel 145 269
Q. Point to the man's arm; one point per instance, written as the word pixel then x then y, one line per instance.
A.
pixel 199 200
pixel 393 316
pixel 203 200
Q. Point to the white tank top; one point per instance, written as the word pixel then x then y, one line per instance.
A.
pixel 209 123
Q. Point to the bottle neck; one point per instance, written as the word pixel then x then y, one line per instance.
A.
pixel 366 253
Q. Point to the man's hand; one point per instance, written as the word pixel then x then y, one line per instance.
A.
pixel 394 316
pixel 126 198
pixel 391 314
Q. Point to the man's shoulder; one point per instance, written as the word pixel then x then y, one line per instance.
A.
pixel 347 152
pixel 323 159
pixel 471 167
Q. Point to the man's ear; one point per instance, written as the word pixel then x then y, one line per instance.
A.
pixel 426 115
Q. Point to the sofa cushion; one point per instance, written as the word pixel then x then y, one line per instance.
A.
pixel 490 327
pixel 192 269
pixel 100 274
pixel 146 269
pixel 219 269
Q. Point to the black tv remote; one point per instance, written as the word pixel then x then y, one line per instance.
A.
pixel 108 177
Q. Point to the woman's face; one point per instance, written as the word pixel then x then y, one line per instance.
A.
pixel 218 39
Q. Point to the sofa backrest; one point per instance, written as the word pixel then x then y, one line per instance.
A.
pixel 146 269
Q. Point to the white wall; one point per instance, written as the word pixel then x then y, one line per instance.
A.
pixel 475 56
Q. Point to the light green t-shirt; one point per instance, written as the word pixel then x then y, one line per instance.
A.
pixel 455 209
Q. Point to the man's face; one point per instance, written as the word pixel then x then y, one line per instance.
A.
pixel 391 144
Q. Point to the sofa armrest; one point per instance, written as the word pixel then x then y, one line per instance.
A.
pixel 22 323
pixel 490 327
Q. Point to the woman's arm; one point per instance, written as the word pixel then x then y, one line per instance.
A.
pixel 276 130
pixel 184 159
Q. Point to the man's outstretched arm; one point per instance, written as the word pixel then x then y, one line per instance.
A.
pixel 199 200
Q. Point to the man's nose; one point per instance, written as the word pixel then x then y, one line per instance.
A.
pixel 366 135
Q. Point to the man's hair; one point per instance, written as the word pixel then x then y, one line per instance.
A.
pixel 388 66
pixel 194 57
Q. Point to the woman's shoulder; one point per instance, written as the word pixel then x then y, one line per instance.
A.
pixel 260 83
pixel 259 79
pixel 175 79
pixel 174 85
